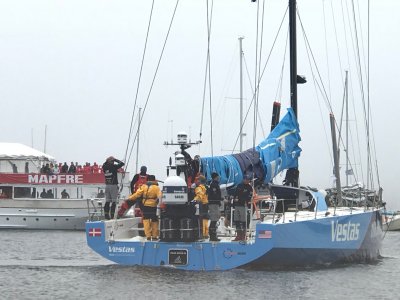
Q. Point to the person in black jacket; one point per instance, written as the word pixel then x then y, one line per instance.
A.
pixel 72 168
pixel 214 203
pixel 243 196
pixel 64 168
pixel 110 169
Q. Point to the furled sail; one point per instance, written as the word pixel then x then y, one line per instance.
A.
pixel 278 152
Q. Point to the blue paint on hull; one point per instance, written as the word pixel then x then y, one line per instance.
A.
pixel 329 240
pixel 297 251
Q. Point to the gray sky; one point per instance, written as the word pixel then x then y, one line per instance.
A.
pixel 74 66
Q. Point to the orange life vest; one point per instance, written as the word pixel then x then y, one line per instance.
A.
pixel 141 180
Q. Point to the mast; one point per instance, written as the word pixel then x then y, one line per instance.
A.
pixel 336 161
pixel 292 174
pixel 347 128
pixel 293 55
pixel 241 94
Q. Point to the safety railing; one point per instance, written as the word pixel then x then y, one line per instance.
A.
pixel 95 209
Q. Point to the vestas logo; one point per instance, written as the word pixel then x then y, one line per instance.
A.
pixel 116 249
pixel 345 232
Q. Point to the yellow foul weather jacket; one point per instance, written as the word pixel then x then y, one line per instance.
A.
pixel 150 193
pixel 201 194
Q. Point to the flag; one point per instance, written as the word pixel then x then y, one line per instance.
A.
pixel 264 234
pixel 95 232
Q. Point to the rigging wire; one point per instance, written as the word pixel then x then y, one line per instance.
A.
pixel 258 74
pixel 321 88
pixel 262 73
pixel 321 85
pixel 256 69
pixel 209 20
pixel 228 80
pixel 337 42
pixel 155 74
pixel 368 86
pixel 207 75
pixel 362 38
pixel 251 87
pixel 365 110
pixel 138 84
pixel 278 94
pixel 350 85
pixel 316 87
pixel 358 75
pixel 326 50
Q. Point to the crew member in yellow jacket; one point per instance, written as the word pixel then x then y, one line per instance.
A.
pixel 202 198
pixel 150 194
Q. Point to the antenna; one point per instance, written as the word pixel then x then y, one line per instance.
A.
pixel 172 127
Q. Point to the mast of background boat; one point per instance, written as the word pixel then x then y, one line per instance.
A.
pixel 336 161
pixel 347 131
pixel 241 93
pixel 347 128
pixel 137 142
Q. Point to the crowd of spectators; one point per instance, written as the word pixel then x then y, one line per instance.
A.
pixel 73 168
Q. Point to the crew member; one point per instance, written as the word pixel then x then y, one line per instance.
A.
pixel 202 198
pixel 139 179
pixel 214 203
pixel 243 195
pixel 192 170
pixel 150 194
pixel 110 169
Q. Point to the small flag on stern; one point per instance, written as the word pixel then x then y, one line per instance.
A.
pixel 264 234
pixel 95 232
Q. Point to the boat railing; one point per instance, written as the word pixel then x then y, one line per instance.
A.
pixel 271 210
pixel 95 208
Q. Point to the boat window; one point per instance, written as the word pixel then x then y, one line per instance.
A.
pixel 6 192
pixel 24 192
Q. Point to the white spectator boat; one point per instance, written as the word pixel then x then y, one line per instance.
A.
pixel 391 221
pixel 23 204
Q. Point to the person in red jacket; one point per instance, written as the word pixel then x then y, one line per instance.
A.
pixel 79 169
pixel 87 168
pixel 95 168
pixel 139 179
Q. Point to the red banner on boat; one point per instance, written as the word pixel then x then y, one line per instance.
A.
pixel 41 179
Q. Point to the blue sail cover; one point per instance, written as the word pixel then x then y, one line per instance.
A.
pixel 278 152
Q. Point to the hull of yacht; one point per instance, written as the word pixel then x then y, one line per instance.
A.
pixel 348 237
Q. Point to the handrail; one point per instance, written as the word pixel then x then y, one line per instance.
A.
pixel 94 212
